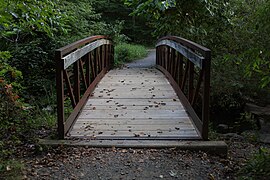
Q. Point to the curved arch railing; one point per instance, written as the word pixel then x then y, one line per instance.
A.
pixel 187 66
pixel 79 67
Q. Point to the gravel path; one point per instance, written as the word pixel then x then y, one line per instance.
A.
pixel 114 163
pixel 146 62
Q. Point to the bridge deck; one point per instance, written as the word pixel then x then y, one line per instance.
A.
pixel 134 103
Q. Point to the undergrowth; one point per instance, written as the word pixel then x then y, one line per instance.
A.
pixel 258 167
pixel 125 52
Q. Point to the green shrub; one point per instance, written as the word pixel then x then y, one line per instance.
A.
pixel 258 167
pixel 127 52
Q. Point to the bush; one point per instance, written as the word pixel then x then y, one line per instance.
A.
pixel 127 52
pixel 258 167
pixel 12 116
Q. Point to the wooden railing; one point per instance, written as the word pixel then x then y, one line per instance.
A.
pixel 187 66
pixel 79 67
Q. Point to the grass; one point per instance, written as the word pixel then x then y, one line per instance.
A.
pixel 11 169
pixel 128 52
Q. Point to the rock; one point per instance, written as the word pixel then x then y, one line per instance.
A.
pixel 223 128
pixel 232 136
pixel 265 138
pixel 258 110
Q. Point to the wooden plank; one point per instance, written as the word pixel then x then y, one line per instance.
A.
pixel 74 56
pixel 133 90
pixel 131 97
pixel 134 94
pixel 121 106
pixel 131 87
pixel 137 86
pixel 138 83
pixel 131 114
pixel 134 102
pixel 141 121
pixel 148 133
pixel 134 72
pixel 189 54
pixel 128 127
pixel 135 77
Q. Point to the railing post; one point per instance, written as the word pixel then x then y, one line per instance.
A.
pixel 60 94
pixel 111 56
pixel 77 88
pixel 191 81
pixel 157 56
pixel 180 74
pixel 88 69
pixel 206 94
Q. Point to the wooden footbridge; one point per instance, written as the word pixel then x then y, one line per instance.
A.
pixel 96 102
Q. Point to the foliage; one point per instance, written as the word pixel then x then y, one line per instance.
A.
pixel 32 30
pixel 11 114
pixel 81 20
pixel 28 29
pixel 258 166
pixel 136 28
pixel 127 52
pixel 11 169
pixel 19 19
pixel 237 32
pixel 9 87
pixel 115 32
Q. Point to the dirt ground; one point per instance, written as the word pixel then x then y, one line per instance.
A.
pixel 113 163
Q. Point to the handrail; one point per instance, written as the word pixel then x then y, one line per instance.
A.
pixel 79 67
pixel 182 61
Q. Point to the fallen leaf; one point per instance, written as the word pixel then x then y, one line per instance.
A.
pixel 8 168
pixel 211 177
pixel 173 174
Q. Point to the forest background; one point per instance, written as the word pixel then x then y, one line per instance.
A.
pixel 237 32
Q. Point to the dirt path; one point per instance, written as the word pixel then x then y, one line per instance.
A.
pixel 112 163
pixel 146 62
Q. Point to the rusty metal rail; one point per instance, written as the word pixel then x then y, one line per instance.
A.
pixel 187 66
pixel 79 67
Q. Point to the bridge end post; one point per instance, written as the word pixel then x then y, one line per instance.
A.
pixel 60 94
pixel 206 95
